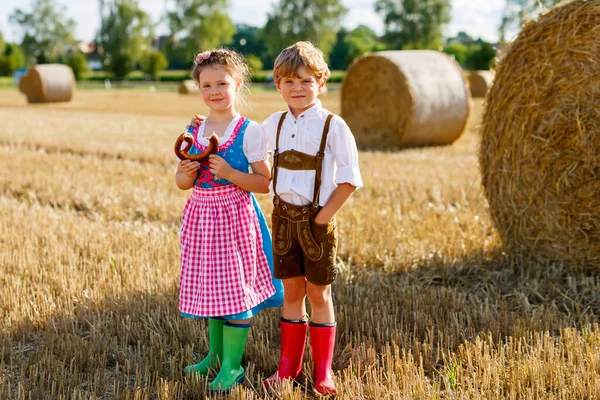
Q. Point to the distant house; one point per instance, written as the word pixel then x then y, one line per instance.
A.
pixel 158 42
pixel 94 62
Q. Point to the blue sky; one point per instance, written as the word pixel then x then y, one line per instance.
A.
pixel 479 18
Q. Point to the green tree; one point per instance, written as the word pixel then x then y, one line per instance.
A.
pixel 340 53
pixel 11 59
pixel 201 25
pixel 152 63
pixel 2 43
pixel 248 41
pixel 125 33
pixel 255 64
pixel 350 45
pixel 176 54
pixel 516 12
pixel 458 50
pixel 291 20
pixel 78 63
pixel 414 24
pixel 479 56
pixel 46 31
pixel 363 40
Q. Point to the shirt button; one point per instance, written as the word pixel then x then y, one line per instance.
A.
pixel 294 135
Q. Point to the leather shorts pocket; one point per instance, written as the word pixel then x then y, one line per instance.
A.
pixel 282 234
pixel 313 248
pixel 325 233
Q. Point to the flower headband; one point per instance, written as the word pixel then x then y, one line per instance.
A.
pixel 202 57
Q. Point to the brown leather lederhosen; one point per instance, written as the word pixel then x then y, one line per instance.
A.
pixel 302 247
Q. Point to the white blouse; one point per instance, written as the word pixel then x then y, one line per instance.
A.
pixel 340 164
pixel 253 145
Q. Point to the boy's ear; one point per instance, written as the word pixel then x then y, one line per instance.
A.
pixel 238 84
pixel 322 85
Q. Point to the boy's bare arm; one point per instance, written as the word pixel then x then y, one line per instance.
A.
pixel 339 197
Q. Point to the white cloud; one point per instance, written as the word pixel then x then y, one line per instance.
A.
pixel 479 19
pixel 362 12
pixel 251 12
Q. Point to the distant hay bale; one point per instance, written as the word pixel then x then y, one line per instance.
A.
pixel 540 151
pixel 48 83
pixel 394 99
pixel 188 87
pixel 480 82
pixel 22 86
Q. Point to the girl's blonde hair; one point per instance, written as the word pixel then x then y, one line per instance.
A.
pixel 233 62
pixel 301 54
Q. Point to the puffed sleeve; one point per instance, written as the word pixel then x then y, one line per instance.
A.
pixel 255 149
pixel 343 146
pixel 269 127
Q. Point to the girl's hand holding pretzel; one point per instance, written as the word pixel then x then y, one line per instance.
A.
pixel 219 167
pixel 189 168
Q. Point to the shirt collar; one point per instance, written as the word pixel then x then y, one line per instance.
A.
pixel 314 110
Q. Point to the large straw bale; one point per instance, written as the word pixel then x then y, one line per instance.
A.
pixel 48 83
pixel 540 151
pixel 394 99
pixel 480 82
pixel 188 87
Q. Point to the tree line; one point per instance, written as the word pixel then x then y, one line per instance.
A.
pixel 126 39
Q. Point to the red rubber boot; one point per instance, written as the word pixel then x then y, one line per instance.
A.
pixel 293 341
pixel 322 342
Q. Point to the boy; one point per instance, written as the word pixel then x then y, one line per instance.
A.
pixel 315 171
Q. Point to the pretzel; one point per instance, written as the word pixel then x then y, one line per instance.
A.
pixel 186 137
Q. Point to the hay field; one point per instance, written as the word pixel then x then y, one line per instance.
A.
pixel 428 304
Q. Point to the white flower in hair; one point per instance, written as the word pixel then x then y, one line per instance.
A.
pixel 202 57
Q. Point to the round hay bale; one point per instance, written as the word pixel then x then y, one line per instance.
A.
pixel 394 99
pixel 480 82
pixel 48 83
pixel 188 87
pixel 22 85
pixel 540 150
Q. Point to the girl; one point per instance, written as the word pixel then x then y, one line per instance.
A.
pixel 226 260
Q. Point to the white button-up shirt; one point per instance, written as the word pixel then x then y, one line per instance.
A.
pixel 340 164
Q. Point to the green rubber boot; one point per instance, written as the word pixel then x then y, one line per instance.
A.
pixel 215 350
pixel 232 373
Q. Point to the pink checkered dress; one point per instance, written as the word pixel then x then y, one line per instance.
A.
pixel 223 268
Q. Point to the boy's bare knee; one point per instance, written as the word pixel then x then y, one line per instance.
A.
pixel 318 296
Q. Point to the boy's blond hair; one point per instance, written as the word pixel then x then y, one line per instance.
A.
pixel 301 54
